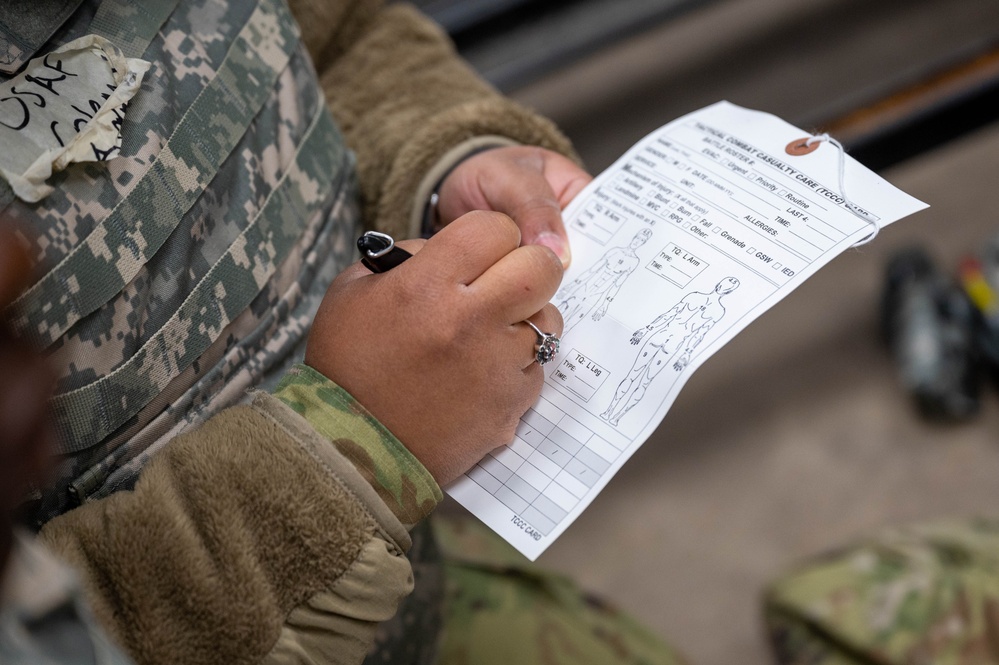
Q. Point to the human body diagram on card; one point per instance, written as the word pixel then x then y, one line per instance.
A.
pixel 650 322
pixel 668 342
pixel 693 233
pixel 591 293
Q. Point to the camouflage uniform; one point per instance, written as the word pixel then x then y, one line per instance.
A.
pixel 187 268
pixel 196 258
pixel 184 266
pixel 917 595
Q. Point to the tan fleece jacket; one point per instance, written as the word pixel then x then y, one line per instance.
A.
pixel 404 101
pixel 248 540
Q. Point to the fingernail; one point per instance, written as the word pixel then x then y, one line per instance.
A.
pixel 558 245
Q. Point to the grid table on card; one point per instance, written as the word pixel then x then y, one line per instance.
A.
pixel 549 467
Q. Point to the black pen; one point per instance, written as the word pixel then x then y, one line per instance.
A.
pixel 379 253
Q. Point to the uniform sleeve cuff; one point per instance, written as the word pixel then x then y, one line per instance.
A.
pixel 397 476
pixel 436 174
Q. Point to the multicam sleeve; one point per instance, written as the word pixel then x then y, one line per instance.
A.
pixel 405 486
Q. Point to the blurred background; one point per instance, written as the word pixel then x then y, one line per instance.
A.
pixel 798 437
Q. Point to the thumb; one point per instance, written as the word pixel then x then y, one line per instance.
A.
pixel 531 185
pixel 544 198
pixel 536 211
pixel 516 185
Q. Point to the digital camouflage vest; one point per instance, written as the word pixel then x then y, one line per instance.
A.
pixel 186 268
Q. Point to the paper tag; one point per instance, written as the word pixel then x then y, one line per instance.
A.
pixel 67 106
pixel 696 231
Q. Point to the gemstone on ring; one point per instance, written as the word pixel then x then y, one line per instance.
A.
pixel 547 347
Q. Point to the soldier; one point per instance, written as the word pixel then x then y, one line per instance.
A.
pixel 188 178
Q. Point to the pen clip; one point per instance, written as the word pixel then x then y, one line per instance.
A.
pixel 374 245
pixel 379 252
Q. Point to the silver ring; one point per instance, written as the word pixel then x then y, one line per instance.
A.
pixel 547 347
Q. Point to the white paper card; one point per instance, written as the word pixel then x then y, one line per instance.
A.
pixel 697 230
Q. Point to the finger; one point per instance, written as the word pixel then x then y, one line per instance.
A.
pixel 510 180
pixel 534 381
pixel 522 191
pixel 469 246
pixel 520 283
pixel 565 177
pixel 548 320
pixel 534 193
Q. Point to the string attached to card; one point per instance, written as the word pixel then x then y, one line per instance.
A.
pixel 807 145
